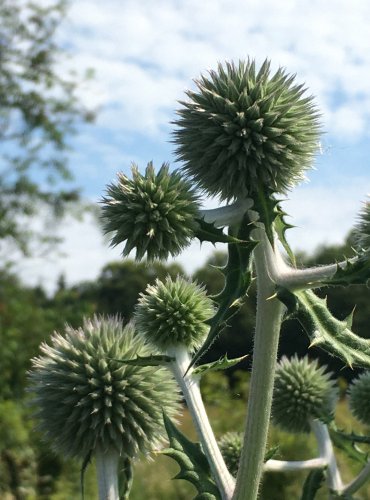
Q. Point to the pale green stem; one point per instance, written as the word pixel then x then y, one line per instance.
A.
pixel 326 451
pixel 268 323
pixel 107 473
pixel 189 386
pixel 294 465
pixel 359 481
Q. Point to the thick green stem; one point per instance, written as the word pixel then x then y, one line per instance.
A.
pixel 269 314
pixel 107 473
pixel 190 389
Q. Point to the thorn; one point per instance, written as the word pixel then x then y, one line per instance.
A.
pixel 314 343
pixel 272 296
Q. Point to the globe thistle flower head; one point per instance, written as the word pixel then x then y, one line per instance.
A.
pixel 231 445
pixel 153 213
pixel 85 398
pixel 359 398
pixel 173 313
pixel 243 128
pixel 362 230
pixel 302 391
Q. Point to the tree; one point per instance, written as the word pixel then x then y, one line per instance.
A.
pixel 39 110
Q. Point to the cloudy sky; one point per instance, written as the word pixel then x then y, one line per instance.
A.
pixel 146 53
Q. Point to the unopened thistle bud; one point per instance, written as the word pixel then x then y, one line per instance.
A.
pixel 359 398
pixel 243 128
pixel 362 230
pixel 231 445
pixel 153 213
pixel 173 313
pixel 86 399
pixel 303 391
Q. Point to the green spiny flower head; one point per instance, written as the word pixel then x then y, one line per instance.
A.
pixel 173 313
pixel 359 398
pixel 362 230
pixel 241 129
pixel 302 391
pixel 231 445
pixel 153 213
pixel 86 398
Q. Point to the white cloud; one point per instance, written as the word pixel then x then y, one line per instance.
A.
pixel 145 53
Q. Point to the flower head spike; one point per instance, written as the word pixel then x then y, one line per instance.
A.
pixel 85 398
pixel 302 391
pixel 243 128
pixel 153 213
pixel 362 230
pixel 359 398
pixel 231 445
pixel 173 313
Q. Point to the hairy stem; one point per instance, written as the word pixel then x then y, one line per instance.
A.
pixel 294 465
pixel 268 322
pixel 107 473
pixel 359 481
pixel 227 215
pixel 190 389
pixel 326 451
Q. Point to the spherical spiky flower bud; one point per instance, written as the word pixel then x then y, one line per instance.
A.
pixel 85 398
pixel 359 398
pixel 173 313
pixel 362 230
pixel 303 391
pixel 242 128
pixel 153 213
pixel 230 446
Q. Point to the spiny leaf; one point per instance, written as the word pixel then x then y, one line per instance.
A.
pixel 313 483
pixel 271 453
pixel 266 207
pixel 125 477
pixel 281 226
pixel 342 442
pixel 238 278
pixel 209 232
pixel 329 333
pixel 355 438
pixel 356 272
pixel 152 360
pixel 193 463
pixel 221 364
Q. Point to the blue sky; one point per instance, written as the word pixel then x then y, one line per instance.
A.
pixel 145 54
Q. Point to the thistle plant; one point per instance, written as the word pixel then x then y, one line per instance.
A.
pixel 248 136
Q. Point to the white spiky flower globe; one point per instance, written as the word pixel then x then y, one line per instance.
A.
pixel 231 445
pixel 244 129
pixel 173 313
pixel 359 398
pixel 86 398
pixel 303 391
pixel 154 213
pixel 362 230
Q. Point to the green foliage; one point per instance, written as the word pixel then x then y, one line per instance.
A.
pixel 313 483
pixel 359 397
pixel 39 111
pixel 221 364
pixel 192 461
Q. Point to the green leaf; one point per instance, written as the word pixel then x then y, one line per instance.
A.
pixel 271 453
pixel 313 483
pixel 125 477
pixel 209 232
pixel 351 273
pixel 329 333
pixel 152 360
pixel 238 278
pixel 281 226
pixel 266 207
pixel 355 438
pixel 221 364
pixel 341 441
pixel 193 463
